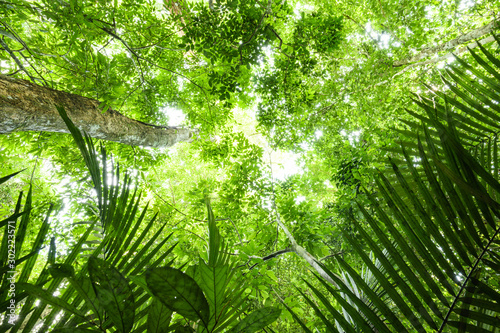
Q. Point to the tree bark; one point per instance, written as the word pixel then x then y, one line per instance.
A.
pixel 450 45
pixel 25 106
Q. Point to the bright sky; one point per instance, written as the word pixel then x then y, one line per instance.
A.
pixel 283 164
pixel 175 116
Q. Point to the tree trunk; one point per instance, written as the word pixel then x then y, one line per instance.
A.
pixel 450 45
pixel 25 106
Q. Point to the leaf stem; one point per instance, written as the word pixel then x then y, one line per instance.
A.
pixel 478 260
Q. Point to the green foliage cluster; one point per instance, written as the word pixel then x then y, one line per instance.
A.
pixel 322 32
pixel 411 244
pixel 434 260
pixel 125 285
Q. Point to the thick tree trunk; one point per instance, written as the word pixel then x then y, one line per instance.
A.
pixel 25 106
pixel 450 45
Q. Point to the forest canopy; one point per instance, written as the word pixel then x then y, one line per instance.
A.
pixel 234 165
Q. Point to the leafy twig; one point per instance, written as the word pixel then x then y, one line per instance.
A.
pixel 268 257
pixel 168 203
pixel 234 225
pixel 16 59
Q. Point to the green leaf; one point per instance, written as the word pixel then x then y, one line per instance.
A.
pixel 13 217
pixel 257 320
pixel 179 292
pixel 75 330
pixel 213 281
pixel 348 295
pixel 47 297
pixel 183 329
pixel 297 319
pixel 6 178
pixel 61 270
pixel 159 317
pixel 113 292
pixel 214 242
pixel 140 280
pixel 52 251
pixel 84 289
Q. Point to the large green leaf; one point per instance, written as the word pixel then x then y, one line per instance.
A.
pixel 61 270
pixel 213 281
pixel 84 289
pixel 179 292
pixel 257 320
pixel 159 317
pixel 113 292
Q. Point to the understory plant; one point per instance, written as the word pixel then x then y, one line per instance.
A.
pixel 122 279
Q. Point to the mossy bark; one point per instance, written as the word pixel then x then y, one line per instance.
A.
pixel 25 106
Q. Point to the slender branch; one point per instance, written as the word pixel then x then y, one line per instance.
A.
pixel 486 40
pixel 234 225
pixel 6 33
pixel 363 28
pixel 266 12
pixel 278 36
pixel 132 51
pixel 277 253
pixel 331 255
pixel 158 66
pixel 203 239
pixel 483 41
pixel 37 157
pixel 14 36
pixel 13 73
pixel 128 95
pixel 268 257
pixel 16 59
pixel 168 203
pixel 158 42
pixel 276 293
pixel 295 247
pixel 381 9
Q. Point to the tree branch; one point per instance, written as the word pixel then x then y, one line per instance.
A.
pixel 277 253
pixel 25 106
pixel 268 257
pixel 486 40
pixel 234 225
pixel 267 12
pixel 173 207
pixel 299 250
pixel 449 45
pixel 16 59
pixel 331 255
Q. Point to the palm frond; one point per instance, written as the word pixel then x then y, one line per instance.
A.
pixel 436 236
